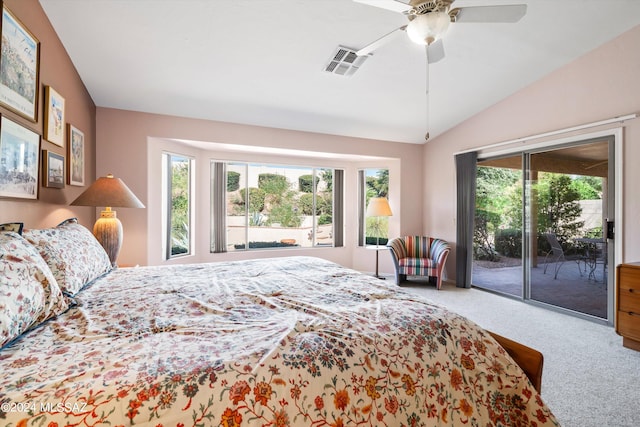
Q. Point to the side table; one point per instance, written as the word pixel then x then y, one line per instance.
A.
pixel 377 249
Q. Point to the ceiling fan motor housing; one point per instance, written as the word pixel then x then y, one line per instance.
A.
pixel 430 6
pixel 427 28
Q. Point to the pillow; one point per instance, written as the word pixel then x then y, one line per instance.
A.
pixel 29 294
pixel 73 254
pixel 12 226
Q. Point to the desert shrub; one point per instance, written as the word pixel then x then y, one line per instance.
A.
pixel 233 181
pixel 305 183
pixel 509 242
pixel 256 199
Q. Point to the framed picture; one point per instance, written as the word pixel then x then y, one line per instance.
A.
pixel 19 160
pixel 52 169
pixel 19 67
pixel 53 116
pixel 75 156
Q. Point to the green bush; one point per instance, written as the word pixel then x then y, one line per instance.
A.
pixel 306 204
pixel 482 236
pixel 256 199
pixel 306 183
pixel 325 219
pixel 323 204
pixel 284 214
pixel 272 183
pixel 509 242
pixel 233 181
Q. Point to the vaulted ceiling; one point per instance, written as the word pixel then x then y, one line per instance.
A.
pixel 262 62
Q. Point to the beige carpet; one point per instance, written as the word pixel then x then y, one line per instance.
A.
pixel 589 379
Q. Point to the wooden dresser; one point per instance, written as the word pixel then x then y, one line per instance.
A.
pixel 628 304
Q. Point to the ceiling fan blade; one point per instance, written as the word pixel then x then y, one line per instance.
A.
pixel 382 40
pixel 392 5
pixel 506 13
pixel 435 51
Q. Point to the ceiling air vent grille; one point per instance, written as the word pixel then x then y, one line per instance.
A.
pixel 345 62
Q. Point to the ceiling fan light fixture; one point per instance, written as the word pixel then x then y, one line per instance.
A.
pixel 429 27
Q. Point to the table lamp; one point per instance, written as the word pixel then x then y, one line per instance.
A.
pixel 108 192
pixel 378 206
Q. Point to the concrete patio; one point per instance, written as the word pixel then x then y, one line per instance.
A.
pixel 572 289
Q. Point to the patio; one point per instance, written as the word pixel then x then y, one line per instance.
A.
pixel 573 289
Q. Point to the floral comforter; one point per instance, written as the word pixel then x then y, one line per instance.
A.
pixel 295 341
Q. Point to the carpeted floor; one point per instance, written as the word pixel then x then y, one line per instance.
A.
pixel 589 379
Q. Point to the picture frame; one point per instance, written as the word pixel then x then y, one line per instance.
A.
pixel 19 67
pixel 54 116
pixel 19 160
pixel 52 169
pixel 75 156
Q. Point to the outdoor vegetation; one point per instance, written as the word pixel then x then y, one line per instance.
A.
pixel 376 185
pixel 280 200
pixel 555 208
pixel 179 205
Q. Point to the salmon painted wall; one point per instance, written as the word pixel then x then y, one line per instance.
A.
pixel 600 85
pixel 57 71
pixel 126 138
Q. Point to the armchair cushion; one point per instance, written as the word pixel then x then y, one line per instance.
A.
pixel 419 256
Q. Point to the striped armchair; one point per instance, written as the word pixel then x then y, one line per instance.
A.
pixel 419 256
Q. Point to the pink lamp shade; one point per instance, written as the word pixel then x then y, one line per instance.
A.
pixel 108 192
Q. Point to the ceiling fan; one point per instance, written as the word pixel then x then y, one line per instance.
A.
pixel 429 21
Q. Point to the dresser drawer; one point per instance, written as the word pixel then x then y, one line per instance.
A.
pixel 629 289
pixel 629 299
pixel 628 325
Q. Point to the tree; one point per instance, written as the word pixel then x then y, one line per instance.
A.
pixel 279 200
pixel 378 186
pixel 179 207
pixel 494 200
pixel 558 207
pixel 588 187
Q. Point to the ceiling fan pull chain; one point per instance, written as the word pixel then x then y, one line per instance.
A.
pixel 426 54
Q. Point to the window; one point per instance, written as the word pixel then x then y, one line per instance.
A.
pixel 372 183
pixel 259 206
pixel 177 177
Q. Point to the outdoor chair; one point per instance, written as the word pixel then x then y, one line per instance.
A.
pixel 555 255
pixel 419 256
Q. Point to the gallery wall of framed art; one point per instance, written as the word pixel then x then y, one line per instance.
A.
pixel 47 121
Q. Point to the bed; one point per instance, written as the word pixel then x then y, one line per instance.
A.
pixel 289 341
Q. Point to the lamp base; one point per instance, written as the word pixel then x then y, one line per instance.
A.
pixel 108 231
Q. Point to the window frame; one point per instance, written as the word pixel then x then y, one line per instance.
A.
pixel 219 228
pixel 363 201
pixel 167 205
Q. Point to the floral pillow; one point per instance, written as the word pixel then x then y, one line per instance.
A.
pixel 73 254
pixel 29 294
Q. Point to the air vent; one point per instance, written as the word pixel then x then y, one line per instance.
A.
pixel 345 62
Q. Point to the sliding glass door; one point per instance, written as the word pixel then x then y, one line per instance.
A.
pixel 541 226
pixel 497 240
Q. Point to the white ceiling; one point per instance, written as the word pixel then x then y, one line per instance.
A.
pixel 261 62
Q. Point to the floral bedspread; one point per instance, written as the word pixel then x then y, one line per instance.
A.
pixel 294 341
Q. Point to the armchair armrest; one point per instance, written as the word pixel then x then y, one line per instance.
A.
pixel 398 248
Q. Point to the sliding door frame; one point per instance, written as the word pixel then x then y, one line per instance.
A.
pixel 524 148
